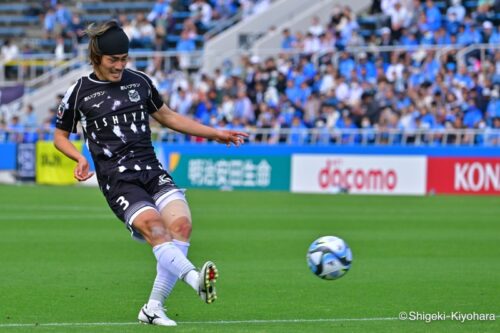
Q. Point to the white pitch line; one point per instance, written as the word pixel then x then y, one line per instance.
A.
pixel 215 322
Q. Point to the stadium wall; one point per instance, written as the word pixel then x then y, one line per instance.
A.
pixel 388 170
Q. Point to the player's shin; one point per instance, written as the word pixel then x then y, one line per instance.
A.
pixel 165 281
pixel 171 259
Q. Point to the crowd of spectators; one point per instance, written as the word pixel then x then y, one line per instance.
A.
pixel 386 96
pixel 317 83
pixel 170 25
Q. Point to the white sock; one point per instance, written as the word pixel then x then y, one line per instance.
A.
pixel 171 259
pixel 165 281
pixel 192 278
pixel 183 246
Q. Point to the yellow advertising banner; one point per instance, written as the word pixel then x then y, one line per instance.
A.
pixel 52 167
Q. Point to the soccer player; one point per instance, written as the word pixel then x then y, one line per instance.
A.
pixel 113 105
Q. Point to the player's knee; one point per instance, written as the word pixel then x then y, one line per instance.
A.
pixel 153 230
pixel 181 228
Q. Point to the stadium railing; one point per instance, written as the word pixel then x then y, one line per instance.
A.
pixel 33 67
pixel 373 136
pixel 487 137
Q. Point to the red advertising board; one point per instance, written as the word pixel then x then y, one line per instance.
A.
pixel 463 175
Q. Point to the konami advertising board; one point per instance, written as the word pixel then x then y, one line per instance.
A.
pixel 463 175
pixel 359 174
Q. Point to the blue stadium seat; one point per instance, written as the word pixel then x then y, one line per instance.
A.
pixel 181 15
pixel 18 19
pixel 117 6
pixel 18 7
pixel 98 18
pixel 11 32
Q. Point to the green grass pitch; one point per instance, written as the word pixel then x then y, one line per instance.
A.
pixel 68 265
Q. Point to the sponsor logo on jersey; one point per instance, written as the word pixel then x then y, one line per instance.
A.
pixel 128 86
pixel 60 110
pixel 133 95
pixel 125 118
pixel 97 105
pixel 163 180
pixel 94 95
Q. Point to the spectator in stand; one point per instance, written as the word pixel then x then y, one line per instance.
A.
pixel 63 18
pixel 201 12
pixel 185 46
pixel 15 130
pixel 76 29
pixel 316 28
pixel 385 40
pixel 243 108
pixel 452 24
pixel 181 101
pixel 487 35
pixel 288 40
pixel 29 123
pixel 400 19
pixel 365 69
pixel 456 12
pixel 298 131
pixel 29 119
pixel 143 33
pixel 50 22
pixel 160 9
pixel 492 133
pixel 433 15
pixel 9 53
pixel 311 44
pixel 346 65
pixel 473 116
pixel 59 50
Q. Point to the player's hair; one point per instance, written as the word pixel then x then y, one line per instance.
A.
pixel 94 31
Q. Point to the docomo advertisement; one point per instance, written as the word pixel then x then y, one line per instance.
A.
pixel 367 174
pixel 464 176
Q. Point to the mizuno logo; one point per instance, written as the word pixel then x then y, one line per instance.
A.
pixel 98 105
pixel 163 180
pixel 151 319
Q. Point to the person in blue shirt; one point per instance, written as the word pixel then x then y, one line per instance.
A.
pixel 185 43
pixel 346 65
pixel 298 131
pixel 472 115
pixel 288 40
pixel 433 15
pixel 349 135
pixel 492 133
pixel 365 68
pixel 463 78
pixel 493 108
pixel 293 92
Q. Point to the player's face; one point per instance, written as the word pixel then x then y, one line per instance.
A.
pixel 111 67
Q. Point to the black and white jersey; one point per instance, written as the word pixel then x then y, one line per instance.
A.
pixel 115 121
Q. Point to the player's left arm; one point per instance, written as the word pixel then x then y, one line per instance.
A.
pixel 180 123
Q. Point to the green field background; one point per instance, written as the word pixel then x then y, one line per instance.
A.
pixel 68 265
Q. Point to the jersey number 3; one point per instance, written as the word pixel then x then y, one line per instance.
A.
pixel 122 202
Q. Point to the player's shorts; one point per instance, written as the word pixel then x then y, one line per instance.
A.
pixel 128 195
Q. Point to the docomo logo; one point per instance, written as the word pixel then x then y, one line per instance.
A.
pixel 476 177
pixel 358 178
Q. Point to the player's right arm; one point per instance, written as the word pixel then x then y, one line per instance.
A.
pixel 65 146
pixel 67 119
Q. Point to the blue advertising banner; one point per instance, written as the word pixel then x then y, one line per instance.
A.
pixel 8 94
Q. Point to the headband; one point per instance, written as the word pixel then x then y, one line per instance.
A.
pixel 113 41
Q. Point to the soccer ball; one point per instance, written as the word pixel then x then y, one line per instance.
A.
pixel 329 257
